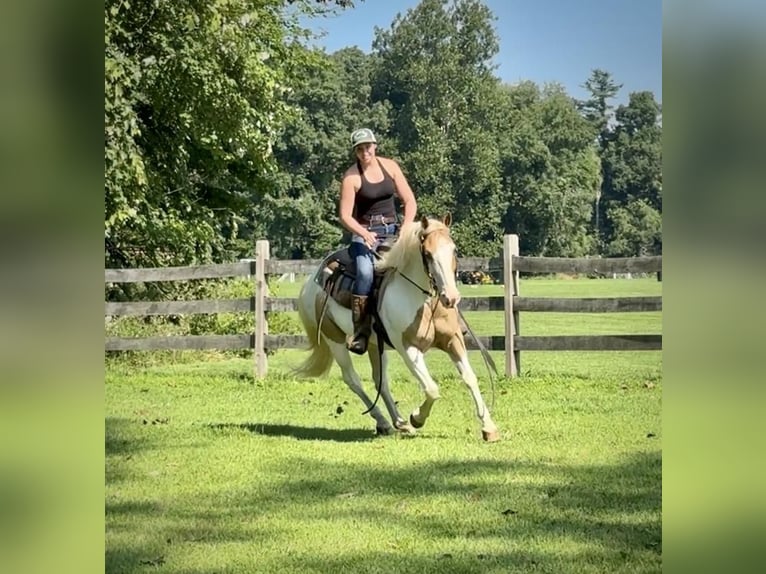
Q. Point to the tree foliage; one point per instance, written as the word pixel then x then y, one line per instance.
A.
pixel 598 109
pixel 632 189
pixel 313 151
pixel 435 68
pixel 195 93
pixel 552 172
pixel 222 126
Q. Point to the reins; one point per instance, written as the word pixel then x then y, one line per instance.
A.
pixel 423 291
pixel 488 361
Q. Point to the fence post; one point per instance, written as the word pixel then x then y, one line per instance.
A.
pixel 261 292
pixel 510 288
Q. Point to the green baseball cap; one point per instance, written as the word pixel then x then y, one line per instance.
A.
pixel 361 136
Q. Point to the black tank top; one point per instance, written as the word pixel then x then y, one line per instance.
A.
pixel 375 199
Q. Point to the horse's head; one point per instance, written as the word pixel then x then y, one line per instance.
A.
pixel 439 258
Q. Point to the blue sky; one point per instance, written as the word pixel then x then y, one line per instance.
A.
pixel 541 40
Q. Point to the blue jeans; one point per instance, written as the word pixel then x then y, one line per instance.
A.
pixel 364 258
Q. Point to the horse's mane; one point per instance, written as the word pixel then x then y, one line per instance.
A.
pixel 407 244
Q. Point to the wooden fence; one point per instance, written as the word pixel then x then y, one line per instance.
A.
pixel 511 303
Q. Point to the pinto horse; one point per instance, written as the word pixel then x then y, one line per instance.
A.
pixel 416 305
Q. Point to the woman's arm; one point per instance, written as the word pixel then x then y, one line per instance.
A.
pixel 404 191
pixel 346 210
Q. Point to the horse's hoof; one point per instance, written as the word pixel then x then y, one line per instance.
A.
pixel 415 423
pixel 384 431
pixel 490 436
pixel 405 429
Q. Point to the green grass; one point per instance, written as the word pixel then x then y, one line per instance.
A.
pixel 208 471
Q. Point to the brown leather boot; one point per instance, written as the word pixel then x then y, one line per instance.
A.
pixel 362 323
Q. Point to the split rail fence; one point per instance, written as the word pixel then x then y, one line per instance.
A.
pixel 511 303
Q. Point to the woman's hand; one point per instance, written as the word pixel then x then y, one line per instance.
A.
pixel 370 237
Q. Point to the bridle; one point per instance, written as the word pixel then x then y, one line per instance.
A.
pixel 424 257
pixel 433 289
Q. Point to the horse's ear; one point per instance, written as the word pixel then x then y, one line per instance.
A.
pixel 448 219
pixel 424 222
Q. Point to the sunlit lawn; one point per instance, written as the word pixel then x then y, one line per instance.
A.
pixel 209 471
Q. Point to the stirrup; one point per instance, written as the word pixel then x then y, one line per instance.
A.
pixel 358 345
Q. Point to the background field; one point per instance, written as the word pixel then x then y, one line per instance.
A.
pixel 209 471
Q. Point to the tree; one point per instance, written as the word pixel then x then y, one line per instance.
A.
pixel 434 66
pixel 313 151
pixel 597 109
pixel 194 95
pixel 633 179
pixel 550 170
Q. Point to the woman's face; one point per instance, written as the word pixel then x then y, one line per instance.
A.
pixel 365 152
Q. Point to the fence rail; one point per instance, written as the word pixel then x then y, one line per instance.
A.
pixel 511 303
pixel 491 303
pixel 212 271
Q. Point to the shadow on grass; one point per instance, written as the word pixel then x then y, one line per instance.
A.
pixel 121 443
pixel 128 560
pixel 608 515
pixel 298 432
pixel 529 516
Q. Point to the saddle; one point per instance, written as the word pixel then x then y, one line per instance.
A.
pixel 337 274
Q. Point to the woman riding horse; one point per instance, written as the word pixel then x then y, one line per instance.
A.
pixel 416 305
pixel 367 211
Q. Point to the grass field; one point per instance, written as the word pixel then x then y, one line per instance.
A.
pixel 209 471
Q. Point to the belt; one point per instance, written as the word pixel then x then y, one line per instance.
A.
pixel 379 219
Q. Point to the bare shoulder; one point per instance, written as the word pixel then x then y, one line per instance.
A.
pixel 390 165
pixel 352 174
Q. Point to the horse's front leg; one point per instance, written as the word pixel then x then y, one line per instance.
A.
pixel 379 364
pixel 415 361
pixel 457 352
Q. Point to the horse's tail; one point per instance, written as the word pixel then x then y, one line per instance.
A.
pixel 318 363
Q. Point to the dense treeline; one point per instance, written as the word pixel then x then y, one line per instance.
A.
pixel 222 126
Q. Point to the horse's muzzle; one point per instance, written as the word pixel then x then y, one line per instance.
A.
pixel 449 301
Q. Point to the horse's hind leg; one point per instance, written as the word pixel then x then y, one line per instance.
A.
pixel 351 378
pixel 379 364
pixel 457 352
